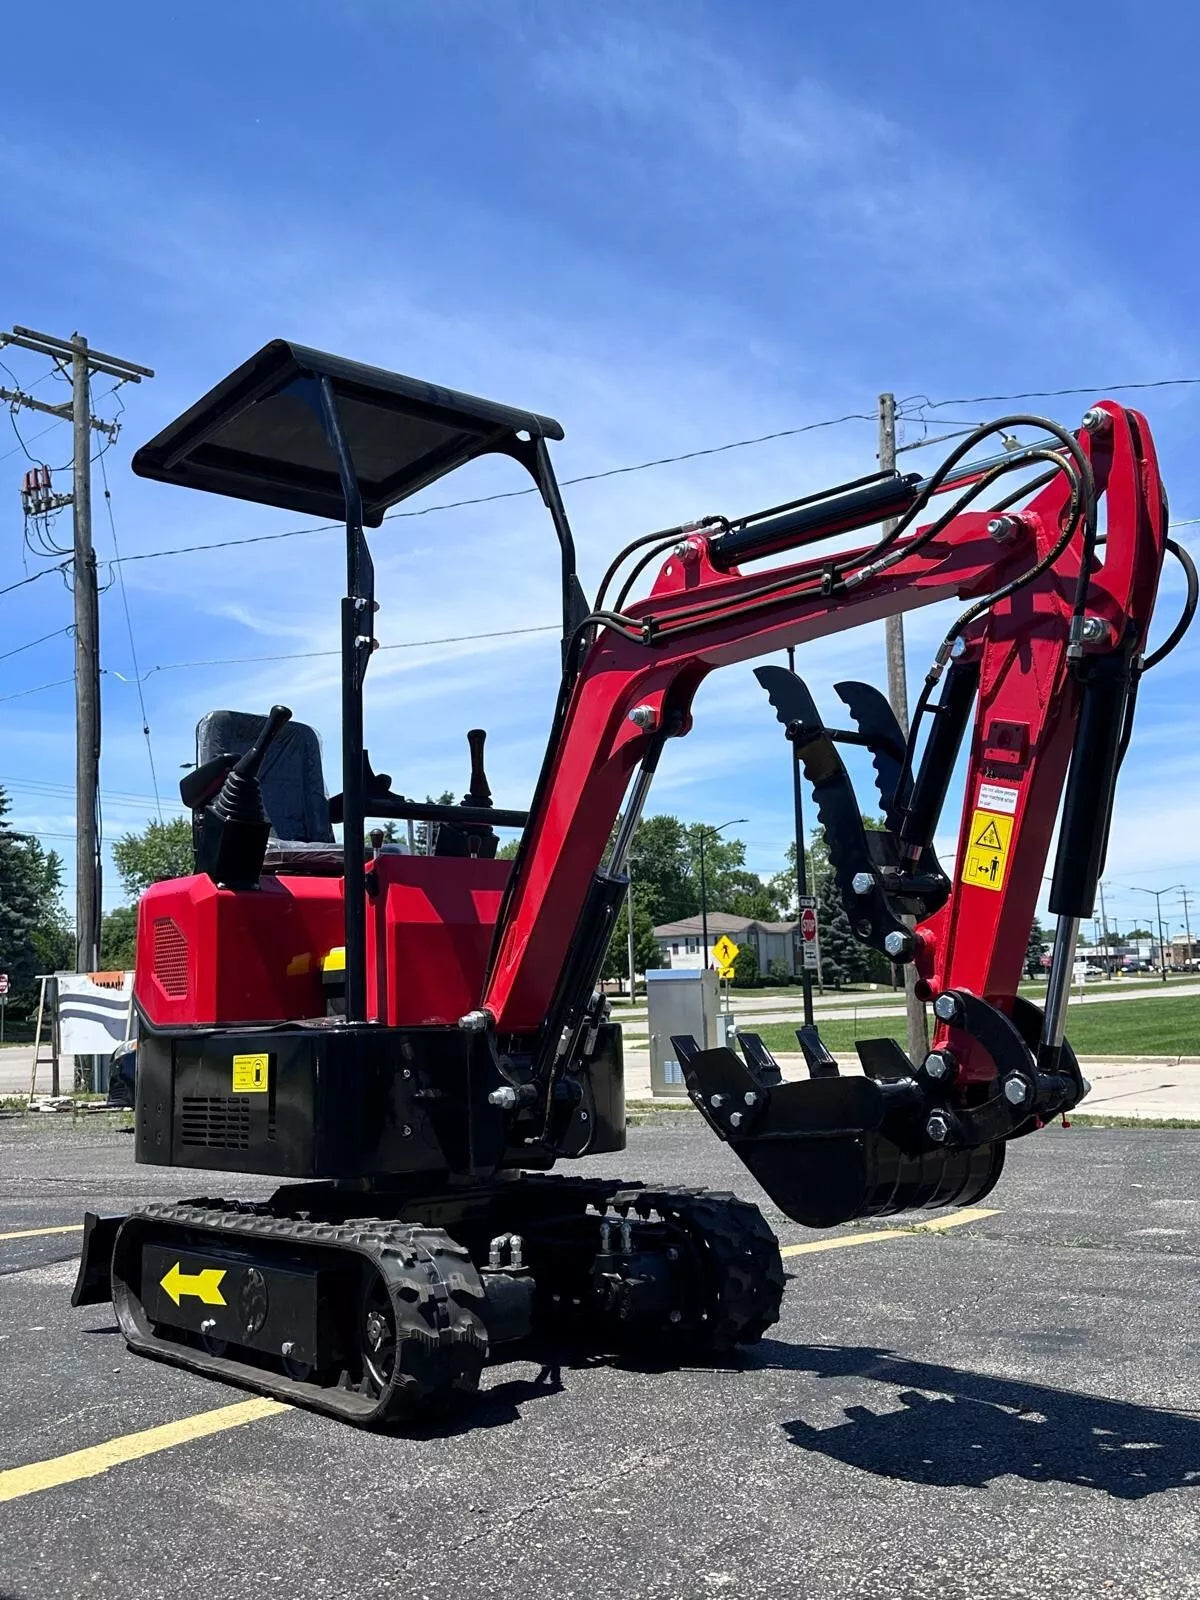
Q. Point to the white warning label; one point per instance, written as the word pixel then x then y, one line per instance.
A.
pixel 997 797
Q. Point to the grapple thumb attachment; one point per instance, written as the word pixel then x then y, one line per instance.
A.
pixel 828 1149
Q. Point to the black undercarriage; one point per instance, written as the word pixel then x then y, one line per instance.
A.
pixel 388 1318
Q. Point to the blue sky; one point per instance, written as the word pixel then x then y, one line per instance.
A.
pixel 670 226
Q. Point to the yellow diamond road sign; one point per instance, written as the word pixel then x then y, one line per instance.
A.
pixel 725 953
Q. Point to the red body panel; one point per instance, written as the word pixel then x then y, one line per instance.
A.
pixel 209 955
pixel 429 930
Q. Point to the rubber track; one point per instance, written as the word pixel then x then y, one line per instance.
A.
pixel 436 1297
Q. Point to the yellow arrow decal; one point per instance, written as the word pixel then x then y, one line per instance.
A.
pixel 205 1285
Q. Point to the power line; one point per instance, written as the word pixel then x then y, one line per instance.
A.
pixel 33 577
pixel 510 494
pixel 57 634
pixel 921 403
pixel 129 629
pixel 1047 394
pixel 37 689
pixel 310 655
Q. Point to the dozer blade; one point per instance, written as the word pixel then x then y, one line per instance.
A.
pixel 830 1149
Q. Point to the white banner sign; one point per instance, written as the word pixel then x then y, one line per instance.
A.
pixel 93 1011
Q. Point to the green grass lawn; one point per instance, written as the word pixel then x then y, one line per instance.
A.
pixel 1170 1026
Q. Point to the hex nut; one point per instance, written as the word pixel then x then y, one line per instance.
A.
pixel 946 1008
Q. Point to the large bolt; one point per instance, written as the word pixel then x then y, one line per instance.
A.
pixel 862 882
pixel 938 1065
pixel 474 1021
pixel 505 1097
pixel 1002 528
pixel 937 1127
pixel 898 945
pixel 735 1119
pixel 946 1008
pixel 208 1324
pixel 1016 1089
pixel 644 716
pixel 1093 629
pixel 750 1097
pixel 1095 421
pixel 716 1101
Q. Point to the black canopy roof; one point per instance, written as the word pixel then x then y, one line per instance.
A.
pixel 259 436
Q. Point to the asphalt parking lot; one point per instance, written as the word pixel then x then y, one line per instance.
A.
pixel 1006 1407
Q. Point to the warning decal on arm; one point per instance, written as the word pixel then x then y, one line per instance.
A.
pixel 986 860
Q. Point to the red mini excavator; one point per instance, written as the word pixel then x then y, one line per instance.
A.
pixel 408 1041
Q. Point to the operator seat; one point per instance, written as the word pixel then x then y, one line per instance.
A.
pixel 293 789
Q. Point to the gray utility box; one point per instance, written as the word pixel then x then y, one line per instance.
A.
pixel 680 1000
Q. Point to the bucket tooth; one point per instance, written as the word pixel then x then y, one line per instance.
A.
pixel 817 1057
pixel 759 1059
pixel 883 1059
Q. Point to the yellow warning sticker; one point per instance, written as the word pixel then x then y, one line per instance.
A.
pixel 987 850
pixel 251 1074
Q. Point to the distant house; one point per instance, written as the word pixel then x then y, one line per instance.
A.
pixel 679 942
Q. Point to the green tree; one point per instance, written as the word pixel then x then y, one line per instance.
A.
pixel 646 953
pixel 660 865
pixel 744 894
pixel 34 934
pixel 162 850
pixel 118 939
pixel 745 967
pixel 1036 948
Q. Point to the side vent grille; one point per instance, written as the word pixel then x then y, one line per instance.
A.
pixel 220 1122
pixel 170 958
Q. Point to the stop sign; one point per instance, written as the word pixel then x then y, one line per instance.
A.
pixel 808 925
pixel 3 983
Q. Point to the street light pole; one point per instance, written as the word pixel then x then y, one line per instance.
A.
pixel 1158 894
pixel 705 828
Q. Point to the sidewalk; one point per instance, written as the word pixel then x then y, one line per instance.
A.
pixel 1156 1087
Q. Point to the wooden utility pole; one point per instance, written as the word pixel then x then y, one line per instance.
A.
pixel 87 673
pixel 75 354
pixel 918 1031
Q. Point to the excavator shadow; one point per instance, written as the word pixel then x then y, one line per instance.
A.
pixel 945 1426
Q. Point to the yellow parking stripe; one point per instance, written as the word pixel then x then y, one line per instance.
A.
pixel 934 1225
pixel 38 1233
pixel 20 1481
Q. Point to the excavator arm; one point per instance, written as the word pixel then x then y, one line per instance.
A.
pixel 1047 656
